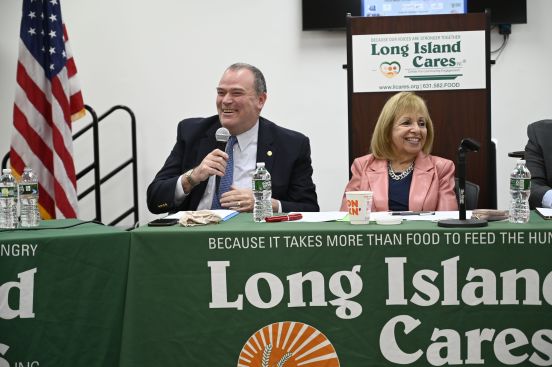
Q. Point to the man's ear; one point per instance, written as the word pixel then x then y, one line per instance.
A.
pixel 262 100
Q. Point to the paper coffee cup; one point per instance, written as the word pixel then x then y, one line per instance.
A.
pixel 359 204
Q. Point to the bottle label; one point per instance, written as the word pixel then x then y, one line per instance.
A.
pixel 26 189
pixel 520 184
pixel 7 192
pixel 260 185
pixel 257 185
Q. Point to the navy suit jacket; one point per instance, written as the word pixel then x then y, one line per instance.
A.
pixel 538 155
pixel 286 154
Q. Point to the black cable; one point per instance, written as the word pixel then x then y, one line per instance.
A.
pixel 45 228
pixel 506 37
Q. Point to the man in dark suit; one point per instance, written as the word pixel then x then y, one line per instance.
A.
pixel 187 181
pixel 538 155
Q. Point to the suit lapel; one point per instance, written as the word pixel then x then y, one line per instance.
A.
pixel 421 181
pixel 266 150
pixel 379 184
pixel 207 143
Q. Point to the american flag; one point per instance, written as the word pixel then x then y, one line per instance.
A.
pixel 47 99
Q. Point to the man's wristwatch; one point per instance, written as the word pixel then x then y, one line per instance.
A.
pixel 188 177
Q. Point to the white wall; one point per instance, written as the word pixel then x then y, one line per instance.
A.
pixel 164 62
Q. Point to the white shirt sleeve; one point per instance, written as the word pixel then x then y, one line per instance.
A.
pixel 179 194
pixel 547 199
pixel 279 206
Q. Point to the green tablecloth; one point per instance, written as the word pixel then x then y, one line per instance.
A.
pixel 62 294
pixel 196 295
pixel 301 294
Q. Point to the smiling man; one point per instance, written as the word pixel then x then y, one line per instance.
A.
pixel 188 179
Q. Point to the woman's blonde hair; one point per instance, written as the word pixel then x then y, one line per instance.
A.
pixel 399 104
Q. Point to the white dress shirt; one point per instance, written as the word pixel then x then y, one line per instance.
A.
pixel 245 163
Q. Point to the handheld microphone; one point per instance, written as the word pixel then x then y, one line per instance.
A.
pixel 222 135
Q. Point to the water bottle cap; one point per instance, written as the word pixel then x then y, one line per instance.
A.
pixel 260 164
pixel 521 161
pixel 6 170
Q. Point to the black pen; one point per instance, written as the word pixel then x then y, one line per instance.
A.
pixel 413 213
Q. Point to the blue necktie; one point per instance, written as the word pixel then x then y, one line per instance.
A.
pixel 228 178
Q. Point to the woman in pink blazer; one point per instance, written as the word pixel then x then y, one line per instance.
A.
pixel 400 171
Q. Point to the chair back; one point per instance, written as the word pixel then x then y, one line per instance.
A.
pixel 471 194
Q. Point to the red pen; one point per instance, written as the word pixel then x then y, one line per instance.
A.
pixel 284 218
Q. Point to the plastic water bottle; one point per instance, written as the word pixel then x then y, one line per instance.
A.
pixel 520 187
pixel 28 199
pixel 8 200
pixel 262 192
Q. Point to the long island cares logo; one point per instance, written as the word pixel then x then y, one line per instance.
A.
pixel 390 69
pixel 288 344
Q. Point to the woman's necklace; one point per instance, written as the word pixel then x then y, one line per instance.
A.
pixel 398 177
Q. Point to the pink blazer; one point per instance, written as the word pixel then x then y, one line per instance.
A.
pixel 432 186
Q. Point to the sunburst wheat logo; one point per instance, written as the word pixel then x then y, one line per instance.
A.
pixel 288 344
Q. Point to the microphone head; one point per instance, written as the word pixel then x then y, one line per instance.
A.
pixel 469 145
pixel 222 135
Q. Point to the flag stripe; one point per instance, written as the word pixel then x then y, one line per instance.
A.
pixel 33 92
pixel 75 99
pixel 71 67
pixel 34 140
pixel 63 206
pixel 62 117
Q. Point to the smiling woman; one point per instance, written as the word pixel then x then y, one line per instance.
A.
pixel 400 171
